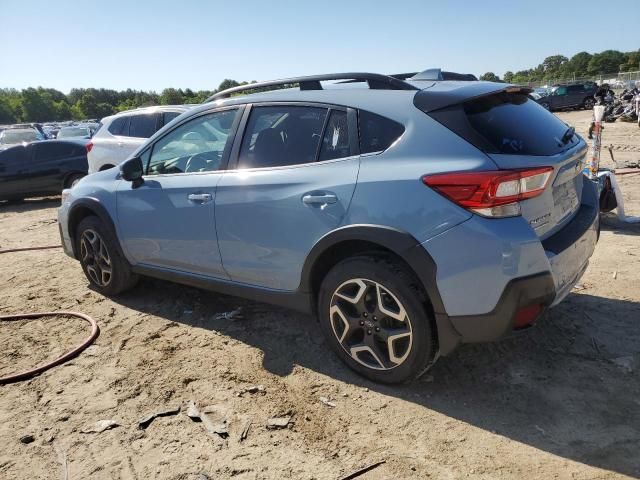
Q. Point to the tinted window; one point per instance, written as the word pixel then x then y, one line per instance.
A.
pixel 282 135
pixel 560 91
pixel 335 142
pixel 54 151
pixel 196 146
pixel 13 155
pixel 142 126
pixel 120 126
pixel 512 123
pixel 575 88
pixel 377 133
pixel 168 116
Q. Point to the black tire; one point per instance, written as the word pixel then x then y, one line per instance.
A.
pixel 95 266
pixel 588 103
pixel 73 179
pixel 397 284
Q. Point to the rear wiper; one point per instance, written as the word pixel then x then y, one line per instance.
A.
pixel 568 135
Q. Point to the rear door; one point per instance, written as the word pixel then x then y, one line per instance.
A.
pixel 14 172
pixel 50 163
pixel 294 173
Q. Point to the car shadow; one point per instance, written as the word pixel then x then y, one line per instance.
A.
pixel 30 204
pixel 610 222
pixel 568 386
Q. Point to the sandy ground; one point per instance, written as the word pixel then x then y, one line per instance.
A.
pixel 559 401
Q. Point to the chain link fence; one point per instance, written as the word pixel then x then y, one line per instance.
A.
pixel 615 80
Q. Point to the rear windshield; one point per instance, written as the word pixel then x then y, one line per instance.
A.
pixel 507 123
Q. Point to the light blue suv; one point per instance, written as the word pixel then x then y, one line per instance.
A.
pixel 409 217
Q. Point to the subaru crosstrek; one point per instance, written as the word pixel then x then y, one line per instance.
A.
pixel 409 217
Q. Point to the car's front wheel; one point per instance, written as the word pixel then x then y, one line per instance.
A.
pixel 103 265
pixel 373 314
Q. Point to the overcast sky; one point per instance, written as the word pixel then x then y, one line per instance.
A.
pixel 151 45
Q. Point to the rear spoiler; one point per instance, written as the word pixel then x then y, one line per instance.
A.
pixel 435 97
pixel 436 75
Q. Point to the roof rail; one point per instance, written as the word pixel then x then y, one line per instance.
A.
pixel 375 80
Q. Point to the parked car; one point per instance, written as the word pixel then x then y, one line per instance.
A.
pixel 121 134
pixel 41 168
pixel 359 205
pixel 75 132
pixel 14 136
pixel 562 97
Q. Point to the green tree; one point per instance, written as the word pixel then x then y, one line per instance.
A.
pixel 171 96
pixel 608 61
pixel 508 76
pixel 37 105
pixel 490 77
pixel 578 65
pixel 632 63
pixel 6 113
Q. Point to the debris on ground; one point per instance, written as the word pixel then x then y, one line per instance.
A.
pixel 232 315
pixel 213 420
pixel 146 421
pixel 26 439
pixel 627 363
pixel 363 470
pixel 327 402
pixel 245 430
pixel 253 389
pixel 275 423
pixel 100 426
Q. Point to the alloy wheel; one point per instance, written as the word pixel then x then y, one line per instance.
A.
pixel 371 324
pixel 95 257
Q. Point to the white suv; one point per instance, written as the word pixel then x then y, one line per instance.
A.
pixel 121 134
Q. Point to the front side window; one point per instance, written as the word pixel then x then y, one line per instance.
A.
pixel 45 152
pixel 196 146
pixel 281 135
pixel 142 126
pixel 560 91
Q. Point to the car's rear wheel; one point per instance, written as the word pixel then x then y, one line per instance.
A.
pixel 588 103
pixel 73 180
pixel 373 314
pixel 103 265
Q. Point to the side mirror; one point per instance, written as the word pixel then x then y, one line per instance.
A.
pixel 132 171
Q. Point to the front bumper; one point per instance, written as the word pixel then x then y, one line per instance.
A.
pixel 65 238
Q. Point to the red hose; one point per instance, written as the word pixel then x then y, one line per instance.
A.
pixel 95 331
pixel 11 250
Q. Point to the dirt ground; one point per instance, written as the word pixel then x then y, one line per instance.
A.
pixel 561 400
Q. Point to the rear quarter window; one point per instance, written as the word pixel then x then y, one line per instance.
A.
pixel 377 133
pixel 119 126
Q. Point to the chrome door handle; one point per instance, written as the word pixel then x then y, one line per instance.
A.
pixel 200 197
pixel 319 199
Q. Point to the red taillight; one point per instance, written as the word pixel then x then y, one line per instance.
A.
pixel 89 146
pixel 525 316
pixel 494 193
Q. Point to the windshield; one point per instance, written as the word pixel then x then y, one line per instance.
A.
pixel 18 136
pixel 73 132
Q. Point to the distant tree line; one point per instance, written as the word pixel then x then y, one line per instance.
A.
pixel 583 64
pixel 47 104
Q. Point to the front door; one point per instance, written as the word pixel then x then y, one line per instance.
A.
pixel 169 221
pixel 293 180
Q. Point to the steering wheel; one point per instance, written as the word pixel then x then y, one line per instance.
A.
pixel 199 162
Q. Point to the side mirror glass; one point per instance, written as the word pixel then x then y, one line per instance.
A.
pixel 132 171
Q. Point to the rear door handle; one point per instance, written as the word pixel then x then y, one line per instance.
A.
pixel 200 197
pixel 319 199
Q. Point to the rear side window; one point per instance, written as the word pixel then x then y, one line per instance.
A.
pixel 119 126
pixel 54 151
pixel 142 126
pixel 282 135
pixel 335 142
pixel 168 116
pixel 507 123
pixel 575 88
pixel 377 133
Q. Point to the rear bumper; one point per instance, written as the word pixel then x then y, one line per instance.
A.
pixel 487 270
